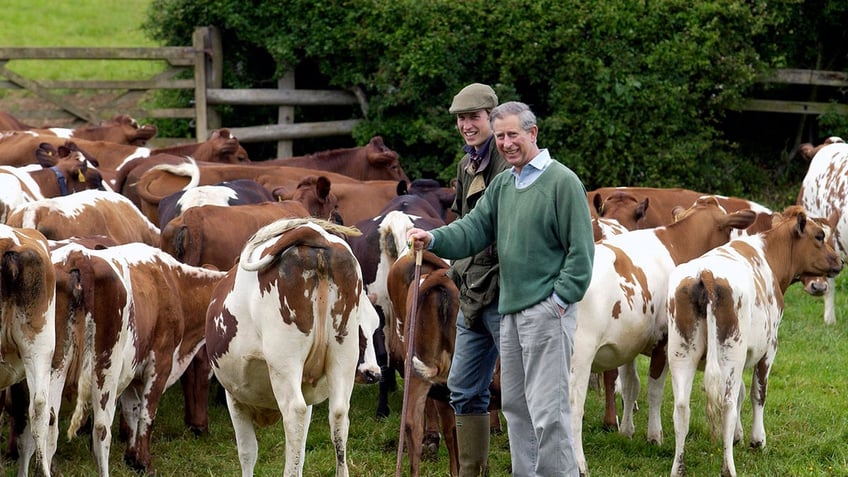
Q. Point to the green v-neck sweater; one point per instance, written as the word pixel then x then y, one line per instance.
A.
pixel 543 234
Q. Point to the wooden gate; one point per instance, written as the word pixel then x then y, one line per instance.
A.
pixel 197 68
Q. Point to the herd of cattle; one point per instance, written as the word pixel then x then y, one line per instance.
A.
pixel 127 268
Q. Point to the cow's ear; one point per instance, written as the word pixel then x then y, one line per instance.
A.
pixel 598 203
pixel 402 188
pixel 801 223
pixel 642 210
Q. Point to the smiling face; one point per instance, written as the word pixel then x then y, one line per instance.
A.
pixel 516 145
pixel 474 127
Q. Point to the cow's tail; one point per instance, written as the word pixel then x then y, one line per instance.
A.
pixel 713 382
pixel 275 230
pixel 84 381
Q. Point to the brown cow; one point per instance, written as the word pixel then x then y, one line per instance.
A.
pixel 121 129
pixel 374 161
pixel 90 212
pixel 435 326
pixel 205 235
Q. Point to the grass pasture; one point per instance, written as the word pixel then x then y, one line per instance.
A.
pixel 806 424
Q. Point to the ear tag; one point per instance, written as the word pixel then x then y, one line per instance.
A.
pixel 80 176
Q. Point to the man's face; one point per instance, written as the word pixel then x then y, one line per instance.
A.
pixel 516 146
pixel 474 127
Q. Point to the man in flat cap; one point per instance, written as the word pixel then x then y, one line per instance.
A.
pixel 478 321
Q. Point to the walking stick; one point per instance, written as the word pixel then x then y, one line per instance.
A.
pixel 407 364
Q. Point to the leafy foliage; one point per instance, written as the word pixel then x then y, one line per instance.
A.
pixel 627 93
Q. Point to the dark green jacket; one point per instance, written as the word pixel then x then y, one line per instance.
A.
pixel 476 276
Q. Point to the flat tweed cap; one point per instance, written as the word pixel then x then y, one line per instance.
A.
pixel 474 97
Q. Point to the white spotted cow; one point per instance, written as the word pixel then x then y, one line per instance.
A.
pixel 823 194
pixel 145 320
pixel 724 310
pixel 622 314
pixel 27 313
pixel 282 333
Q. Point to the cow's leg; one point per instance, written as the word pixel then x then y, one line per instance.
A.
pixel 683 358
pixel 630 386
pixel 248 448
pixel 340 389
pixel 448 422
pixel 581 368
pixel 759 386
pixel 610 414
pixel 414 431
pixel 430 439
pixel 137 454
pixel 656 382
pixel 829 306
pixel 296 412
pixel 723 383
pixel 195 384
pixel 19 447
pixel 37 368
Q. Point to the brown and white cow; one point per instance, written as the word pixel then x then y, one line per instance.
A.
pixel 622 314
pixel 648 207
pixel 823 194
pixel 27 314
pixel 724 310
pixel 432 347
pixel 145 320
pixel 282 334
pixel 90 212
pixel 227 193
pixel 60 172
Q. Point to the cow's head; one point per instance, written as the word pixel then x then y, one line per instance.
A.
pixel 623 207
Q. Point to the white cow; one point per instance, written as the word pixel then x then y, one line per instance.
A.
pixel 282 334
pixel 822 194
pixel 724 309
pixel 622 314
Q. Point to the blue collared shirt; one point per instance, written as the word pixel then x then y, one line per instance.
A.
pixel 532 170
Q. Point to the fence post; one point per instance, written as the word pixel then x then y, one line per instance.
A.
pixel 214 73
pixel 198 42
pixel 285 115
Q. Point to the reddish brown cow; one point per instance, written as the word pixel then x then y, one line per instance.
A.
pixel 374 161
pixel 435 325
pixel 121 129
pixel 205 235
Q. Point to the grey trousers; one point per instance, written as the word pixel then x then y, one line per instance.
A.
pixel 536 346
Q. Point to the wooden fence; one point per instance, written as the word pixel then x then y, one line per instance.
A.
pixel 197 68
pixel 202 64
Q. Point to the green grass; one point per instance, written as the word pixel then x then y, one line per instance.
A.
pixel 806 424
pixel 81 23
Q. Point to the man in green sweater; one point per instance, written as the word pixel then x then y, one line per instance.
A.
pixel 538 215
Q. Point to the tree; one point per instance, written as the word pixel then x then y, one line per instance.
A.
pixel 627 92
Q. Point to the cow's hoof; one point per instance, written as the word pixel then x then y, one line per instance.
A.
pixel 430 447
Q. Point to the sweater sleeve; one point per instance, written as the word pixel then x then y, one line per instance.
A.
pixel 577 238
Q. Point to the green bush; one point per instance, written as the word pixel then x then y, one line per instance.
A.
pixel 627 93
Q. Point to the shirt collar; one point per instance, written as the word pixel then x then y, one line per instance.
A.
pixel 540 162
pixel 479 158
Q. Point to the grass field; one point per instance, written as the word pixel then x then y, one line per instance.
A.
pixel 806 419
pixel 806 424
